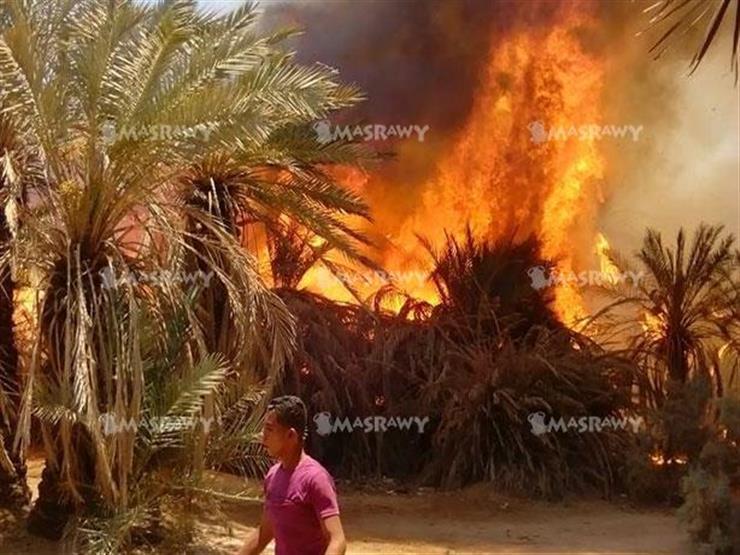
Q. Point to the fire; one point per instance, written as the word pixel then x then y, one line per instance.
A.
pixel 518 165
pixel 606 266
pixel 652 325
pixel 657 459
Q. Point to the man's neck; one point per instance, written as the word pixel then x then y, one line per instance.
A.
pixel 289 462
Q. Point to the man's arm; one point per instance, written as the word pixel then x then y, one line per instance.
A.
pixel 259 539
pixel 332 528
pixel 323 497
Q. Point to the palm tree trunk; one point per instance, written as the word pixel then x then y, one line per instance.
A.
pixel 54 507
pixel 14 492
pixel 50 513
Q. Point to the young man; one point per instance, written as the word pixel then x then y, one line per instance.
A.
pixel 301 510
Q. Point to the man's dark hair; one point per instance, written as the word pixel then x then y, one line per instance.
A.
pixel 290 412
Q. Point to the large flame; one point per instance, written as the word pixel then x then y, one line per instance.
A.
pixel 515 166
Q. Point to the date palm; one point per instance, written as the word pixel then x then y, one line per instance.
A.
pixel 14 492
pixel 681 307
pixel 136 112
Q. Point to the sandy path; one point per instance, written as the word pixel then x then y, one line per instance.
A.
pixel 393 525
pixel 472 521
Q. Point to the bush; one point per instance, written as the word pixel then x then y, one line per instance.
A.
pixel 708 509
pixel 675 433
pixel 478 364
pixel 647 482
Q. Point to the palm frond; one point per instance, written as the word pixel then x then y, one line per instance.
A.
pixel 205 379
pixel 684 16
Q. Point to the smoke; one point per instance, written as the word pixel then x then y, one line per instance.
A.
pixel 417 60
pixel 684 170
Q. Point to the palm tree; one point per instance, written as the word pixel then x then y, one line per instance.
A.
pixel 137 113
pixel 475 277
pixel 12 473
pixel 13 488
pixel 684 299
pixel 679 317
pixel 287 181
pixel 278 170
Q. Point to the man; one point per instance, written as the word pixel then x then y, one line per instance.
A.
pixel 301 510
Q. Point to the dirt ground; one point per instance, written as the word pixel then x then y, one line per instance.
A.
pixel 475 520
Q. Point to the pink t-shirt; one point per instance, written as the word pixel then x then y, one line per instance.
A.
pixel 296 500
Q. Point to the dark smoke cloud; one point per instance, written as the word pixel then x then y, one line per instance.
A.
pixel 416 60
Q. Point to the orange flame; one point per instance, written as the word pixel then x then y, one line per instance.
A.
pixel 606 266
pixel 518 165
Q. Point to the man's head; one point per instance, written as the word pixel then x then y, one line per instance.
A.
pixel 285 424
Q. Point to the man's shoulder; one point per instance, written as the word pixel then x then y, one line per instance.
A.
pixel 315 470
pixel 272 470
pixel 321 489
pixel 311 464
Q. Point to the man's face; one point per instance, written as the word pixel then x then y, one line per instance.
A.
pixel 276 438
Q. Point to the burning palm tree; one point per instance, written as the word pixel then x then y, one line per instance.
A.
pixel 490 354
pixel 680 320
pixel 473 276
pixel 685 298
